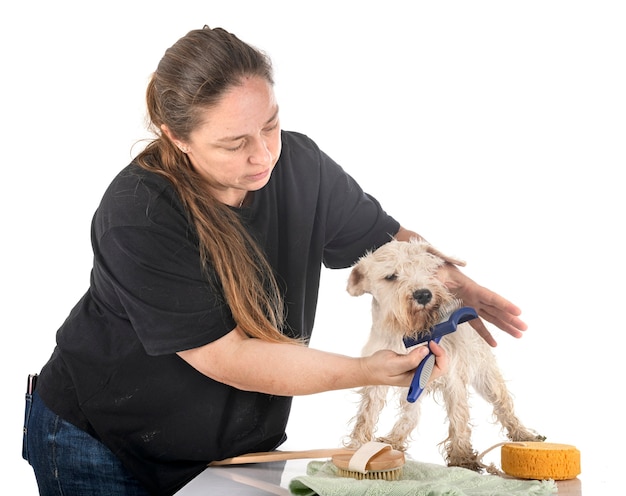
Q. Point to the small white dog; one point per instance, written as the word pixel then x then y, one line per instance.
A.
pixel 407 300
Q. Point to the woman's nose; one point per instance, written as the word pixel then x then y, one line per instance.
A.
pixel 261 152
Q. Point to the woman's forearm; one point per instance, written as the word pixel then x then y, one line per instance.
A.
pixel 290 370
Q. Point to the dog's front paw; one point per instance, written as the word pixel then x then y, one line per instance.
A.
pixel 358 438
pixel 468 461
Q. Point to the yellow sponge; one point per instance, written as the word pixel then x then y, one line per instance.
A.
pixel 537 460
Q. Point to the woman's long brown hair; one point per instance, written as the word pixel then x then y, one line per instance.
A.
pixel 191 77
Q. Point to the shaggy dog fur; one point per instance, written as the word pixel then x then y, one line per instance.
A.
pixel 408 299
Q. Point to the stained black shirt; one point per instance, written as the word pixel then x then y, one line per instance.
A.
pixel 115 372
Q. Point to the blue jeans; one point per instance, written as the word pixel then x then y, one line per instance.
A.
pixel 69 462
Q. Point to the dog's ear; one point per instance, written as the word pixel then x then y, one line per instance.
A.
pixel 357 281
pixel 454 261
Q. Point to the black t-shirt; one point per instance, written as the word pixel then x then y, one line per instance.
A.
pixel 115 372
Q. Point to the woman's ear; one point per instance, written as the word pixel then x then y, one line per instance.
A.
pixel 167 132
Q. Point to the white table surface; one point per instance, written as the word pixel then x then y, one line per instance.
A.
pixel 259 479
pixel 263 479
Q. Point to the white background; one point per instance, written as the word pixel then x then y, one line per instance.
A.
pixel 495 129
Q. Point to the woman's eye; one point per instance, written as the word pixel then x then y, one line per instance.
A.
pixel 236 148
pixel 391 277
pixel 271 128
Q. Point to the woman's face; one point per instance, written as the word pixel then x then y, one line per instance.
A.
pixel 238 144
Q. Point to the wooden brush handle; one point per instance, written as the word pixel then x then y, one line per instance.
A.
pixel 277 456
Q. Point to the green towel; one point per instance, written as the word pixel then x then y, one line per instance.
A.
pixel 417 479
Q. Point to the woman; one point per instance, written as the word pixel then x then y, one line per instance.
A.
pixel 191 339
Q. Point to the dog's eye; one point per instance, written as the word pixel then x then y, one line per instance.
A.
pixel 391 277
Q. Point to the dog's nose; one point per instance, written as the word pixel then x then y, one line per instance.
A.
pixel 422 296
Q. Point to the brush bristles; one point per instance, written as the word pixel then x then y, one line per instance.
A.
pixel 388 475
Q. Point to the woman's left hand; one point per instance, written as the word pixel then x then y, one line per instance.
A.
pixel 489 305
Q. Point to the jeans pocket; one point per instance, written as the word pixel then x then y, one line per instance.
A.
pixel 27 410
pixel 30 390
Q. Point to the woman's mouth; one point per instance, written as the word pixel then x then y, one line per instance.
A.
pixel 260 176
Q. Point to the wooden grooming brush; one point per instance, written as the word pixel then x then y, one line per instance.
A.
pixel 373 460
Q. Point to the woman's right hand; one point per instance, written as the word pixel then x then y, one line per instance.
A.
pixel 386 367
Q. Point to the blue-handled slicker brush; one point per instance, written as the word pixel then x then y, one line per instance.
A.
pixel 425 368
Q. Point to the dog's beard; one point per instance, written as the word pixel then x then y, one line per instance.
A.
pixel 447 308
pixel 436 315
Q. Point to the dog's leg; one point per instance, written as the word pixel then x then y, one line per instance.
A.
pixel 406 423
pixel 373 399
pixel 490 384
pixel 458 446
